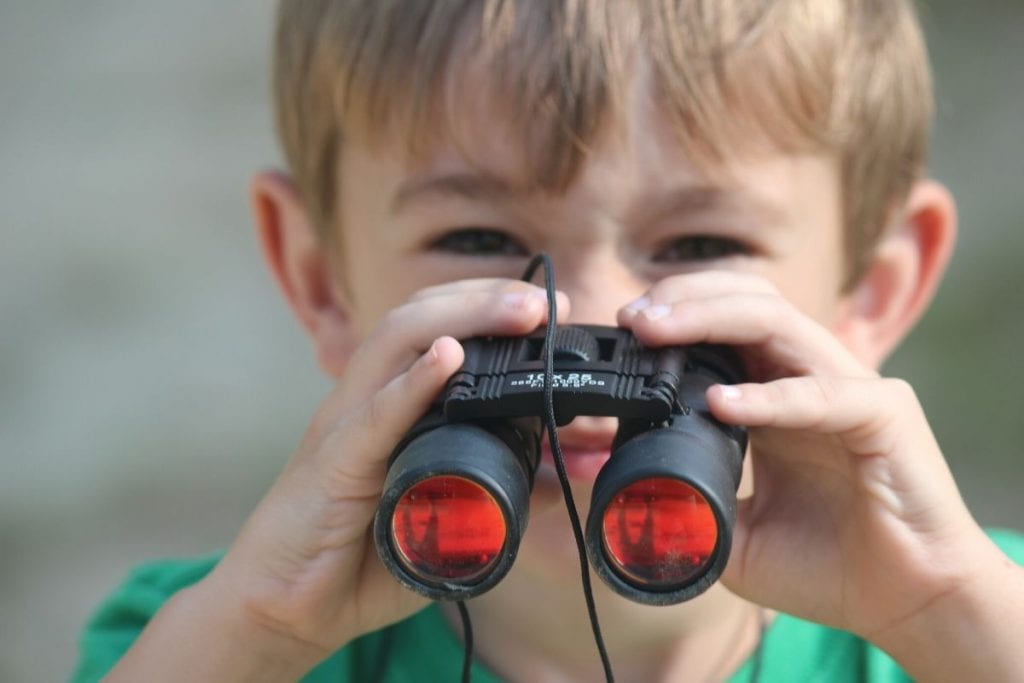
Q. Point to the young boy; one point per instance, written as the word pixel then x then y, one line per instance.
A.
pixel 743 172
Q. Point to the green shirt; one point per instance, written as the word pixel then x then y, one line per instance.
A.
pixel 423 648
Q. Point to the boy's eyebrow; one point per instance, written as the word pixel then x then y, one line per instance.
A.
pixel 469 185
pixel 695 198
pixel 680 200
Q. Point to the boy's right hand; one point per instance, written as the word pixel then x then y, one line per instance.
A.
pixel 304 569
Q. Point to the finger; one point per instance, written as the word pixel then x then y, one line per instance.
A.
pixel 784 337
pixel 695 286
pixel 466 286
pixel 357 448
pixel 508 308
pixel 873 440
pixel 870 416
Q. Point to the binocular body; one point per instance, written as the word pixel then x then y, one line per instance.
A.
pixel 456 496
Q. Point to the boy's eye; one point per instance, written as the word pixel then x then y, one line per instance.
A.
pixel 479 242
pixel 700 248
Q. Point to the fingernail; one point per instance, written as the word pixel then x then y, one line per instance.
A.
pixel 656 312
pixel 638 305
pixel 432 355
pixel 730 392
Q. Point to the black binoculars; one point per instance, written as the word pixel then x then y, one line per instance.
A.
pixel 659 530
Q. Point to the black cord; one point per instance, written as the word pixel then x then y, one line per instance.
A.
pixel 467 637
pixel 556 452
pixel 563 478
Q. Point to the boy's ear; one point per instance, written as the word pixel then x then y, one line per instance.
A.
pixel 902 277
pixel 300 264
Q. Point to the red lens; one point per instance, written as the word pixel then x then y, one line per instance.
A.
pixel 448 528
pixel 659 532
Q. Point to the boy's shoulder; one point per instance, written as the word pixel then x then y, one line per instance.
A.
pixel 400 653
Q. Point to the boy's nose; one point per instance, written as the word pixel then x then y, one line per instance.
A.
pixel 598 285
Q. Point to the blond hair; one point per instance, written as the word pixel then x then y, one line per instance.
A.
pixel 842 77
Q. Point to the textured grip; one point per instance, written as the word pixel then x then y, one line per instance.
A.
pixel 575 344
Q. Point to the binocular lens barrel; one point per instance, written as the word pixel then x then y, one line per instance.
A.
pixel 662 512
pixel 659 532
pixel 447 527
pixel 454 509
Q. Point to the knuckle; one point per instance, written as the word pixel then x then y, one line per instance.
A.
pixel 332 410
pixel 903 392
pixel 444 288
pixel 763 285
pixel 899 387
pixel 768 314
pixel 424 294
pixel 751 283
pixel 824 390
pixel 374 413
pixel 514 287
pixel 662 289
pixel 820 397
pixel 776 310
pixel 508 286
pixel 392 321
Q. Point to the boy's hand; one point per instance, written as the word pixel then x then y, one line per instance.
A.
pixel 304 567
pixel 855 520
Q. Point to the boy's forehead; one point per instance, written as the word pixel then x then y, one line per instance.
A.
pixel 541 92
pixel 635 170
pixel 479 131
pixel 486 125
pixel 476 116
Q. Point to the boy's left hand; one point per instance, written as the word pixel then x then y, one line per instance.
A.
pixel 855 520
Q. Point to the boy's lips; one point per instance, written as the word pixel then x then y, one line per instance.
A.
pixel 582 460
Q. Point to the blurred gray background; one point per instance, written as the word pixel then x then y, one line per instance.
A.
pixel 151 380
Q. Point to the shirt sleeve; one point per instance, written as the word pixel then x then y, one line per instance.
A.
pixel 121 618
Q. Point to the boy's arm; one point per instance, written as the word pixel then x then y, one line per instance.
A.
pixel 202 634
pixel 855 521
pixel 302 578
pixel 978 627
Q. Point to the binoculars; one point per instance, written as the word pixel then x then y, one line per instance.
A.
pixel 456 496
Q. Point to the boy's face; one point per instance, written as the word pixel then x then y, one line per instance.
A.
pixel 636 213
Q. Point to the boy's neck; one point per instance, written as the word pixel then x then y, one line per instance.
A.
pixel 705 640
